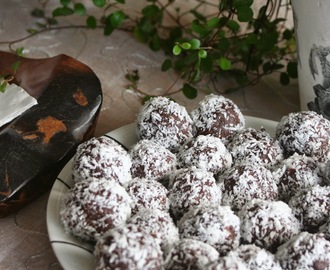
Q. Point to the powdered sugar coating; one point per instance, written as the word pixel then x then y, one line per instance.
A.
pixel 228 263
pixel 295 173
pixel 151 160
pixel 215 225
pixel 217 116
pixel 306 133
pixel 165 122
pixel 267 224
pixel 305 251
pixel 159 224
pixel 326 172
pixel 190 187
pixel 245 182
pixel 101 158
pixel 255 146
pixel 148 194
pixel 93 207
pixel 312 206
pixel 128 247
pixel 254 257
pixel 325 230
pixel 205 152
pixel 190 254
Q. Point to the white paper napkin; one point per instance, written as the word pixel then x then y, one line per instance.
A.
pixel 13 102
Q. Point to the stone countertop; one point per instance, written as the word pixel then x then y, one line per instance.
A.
pixel 24 239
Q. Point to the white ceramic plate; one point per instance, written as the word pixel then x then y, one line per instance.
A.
pixel 71 252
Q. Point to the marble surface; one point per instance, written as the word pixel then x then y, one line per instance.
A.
pixel 24 242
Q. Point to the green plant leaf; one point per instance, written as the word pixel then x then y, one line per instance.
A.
pixel 99 3
pixel 79 9
pixel 267 41
pixel 133 76
pixel 292 69
pixel 198 15
pixel 146 27
pixel 202 53
pixel 65 2
pixel 150 11
pixel 185 45
pixel 38 13
pixel 176 33
pixel 278 66
pixel 240 3
pixel 251 38
pixel 51 21
pixel 267 67
pixel 32 30
pixel 213 22
pixel 241 77
pixel 117 18
pixel 224 63
pixel 233 25
pixel 195 43
pixel 3 86
pixel 207 64
pixel 198 28
pixel 176 49
pixel 91 22
pixel 284 78
pixel 62 11
pixel 189 91
pixel 223 44
pixel 155 43
pixel 287 34
pixel 108 29
pixel 244 13
pixel 146 98
pixel 19 51
pixel 167 64
pixel 139 35
pixel 16 65
pixel 120 1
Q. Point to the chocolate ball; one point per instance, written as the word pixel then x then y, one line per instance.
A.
pixel 190 254
pixel 91 208
pixel 192 187
pixel 312 206
pixel 245 182
pixel 217 116
pixel 215 225
pixel 151 160
pixel 165 122
pixel 128 247
pixel 255 146
pixel 306 133
pixel 101 158
pixel 267 224
pixel 305 251
pixel 148 194
pixel 205 152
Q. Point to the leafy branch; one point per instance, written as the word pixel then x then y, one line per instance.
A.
pixel 7 78
pixel 237 38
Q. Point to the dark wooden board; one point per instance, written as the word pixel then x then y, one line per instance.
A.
pixel 35 146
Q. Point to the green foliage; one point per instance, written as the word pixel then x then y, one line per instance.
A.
pixel 3 84
pixel 239 39
pixel 189 91
pixel 5 79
